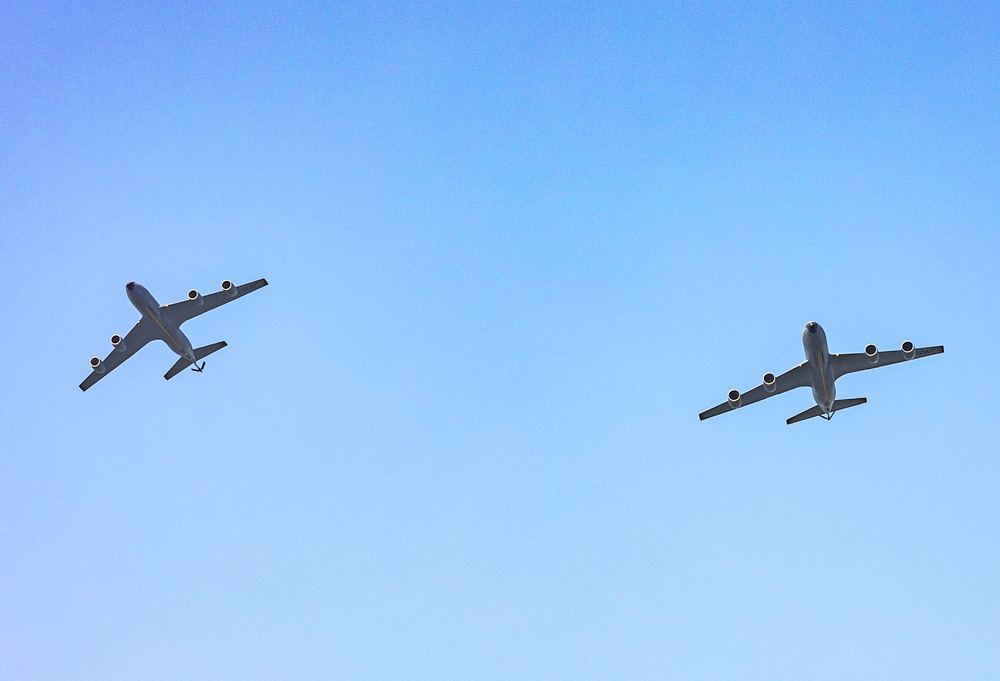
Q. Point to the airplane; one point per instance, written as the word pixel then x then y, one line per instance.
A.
pixel 164 323
pixel 820 371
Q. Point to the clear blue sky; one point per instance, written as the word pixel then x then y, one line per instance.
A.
pixel 514 249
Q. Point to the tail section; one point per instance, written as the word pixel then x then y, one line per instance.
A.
pixel 199 353
pixel 206 350
pixel 817 411
pixel 807 414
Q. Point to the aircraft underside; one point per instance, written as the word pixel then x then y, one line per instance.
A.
pixel 819 372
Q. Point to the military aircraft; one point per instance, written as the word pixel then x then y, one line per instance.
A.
pixel 163 323
pixel 819 372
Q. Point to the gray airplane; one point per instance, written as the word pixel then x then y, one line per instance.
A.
pixel 164 323
pixel 819 372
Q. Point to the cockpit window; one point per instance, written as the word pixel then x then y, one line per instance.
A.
pixel 130 285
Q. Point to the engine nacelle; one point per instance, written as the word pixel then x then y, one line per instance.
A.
pixel 118 342
pixel 908 350
pixel 97 365
pixel 195 298
pixel 734 398
pixel 228 287
pixel 770 382
pixel 871 352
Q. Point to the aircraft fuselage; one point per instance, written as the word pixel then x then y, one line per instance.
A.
pixel 819 372
pixel 820 369
pixel 168 332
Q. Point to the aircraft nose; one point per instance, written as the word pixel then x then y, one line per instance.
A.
pixel 811 327
pixel 129 286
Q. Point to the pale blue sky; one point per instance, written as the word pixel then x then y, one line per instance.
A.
pixel 513 251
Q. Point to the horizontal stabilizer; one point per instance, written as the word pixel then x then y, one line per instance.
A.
pixel 818 411
pixel 849 402
pixel 199 353
pixel 179 366
pixel 206 350
pixel 807 414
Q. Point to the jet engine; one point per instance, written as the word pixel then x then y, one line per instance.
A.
pixel 770 383
pixel 228 287
pixel 97 365
pixel 871 352
pixel 118 342
pixel 908 350
pixel 734 398
pixel 195 298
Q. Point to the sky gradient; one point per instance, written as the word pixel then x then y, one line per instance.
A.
pixel 513 252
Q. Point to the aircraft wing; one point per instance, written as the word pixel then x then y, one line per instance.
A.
pixel 797 377
pixel 858 361
pixel 134 340
pixel 180 312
